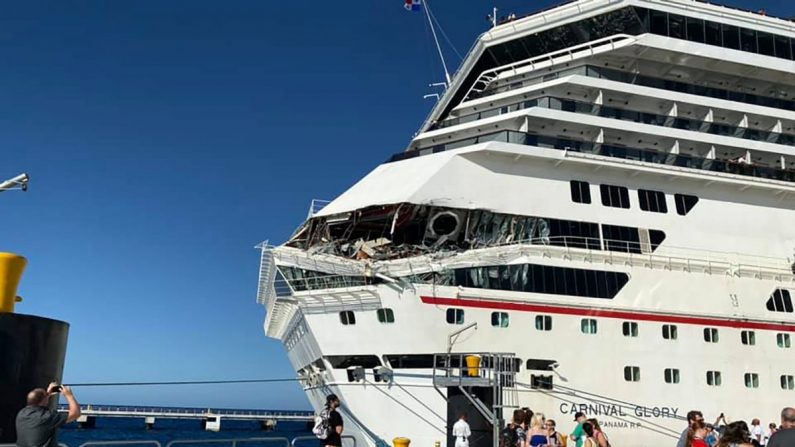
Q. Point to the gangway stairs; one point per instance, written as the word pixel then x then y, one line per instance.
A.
pixel 479 376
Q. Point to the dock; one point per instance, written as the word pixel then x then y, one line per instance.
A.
pixel 210 417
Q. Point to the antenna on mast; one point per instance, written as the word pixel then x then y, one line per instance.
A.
pixel 436 40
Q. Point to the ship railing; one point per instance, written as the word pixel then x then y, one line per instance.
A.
pixel 484 81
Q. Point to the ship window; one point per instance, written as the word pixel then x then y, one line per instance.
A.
pixel 713 378
pixel 711 335
pixel 455 316
pixel 713 36
pixel 695 30
pixel 386 315
pixel 751 380
pixel 669 331
pixel 411 361
pixel 614 196
pixel 347 317
pixel 684 203
pixel 671 375
pixel 632 373
pixel 499 319
pixel 580 191
pixel 543 322
pixel 588 326
pixel 630 329
pixel 540 364
pixel 748 338
pixel 787 382
pixel 346 361
pixel 783 341
pixel 766 43
pixel 748 40
pixel 653 201
pixel 780 301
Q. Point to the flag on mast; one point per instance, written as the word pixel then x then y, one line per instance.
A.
pixel 413 5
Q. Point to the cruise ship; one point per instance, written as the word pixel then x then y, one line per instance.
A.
pixel 595 216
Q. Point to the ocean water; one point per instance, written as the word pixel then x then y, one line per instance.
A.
pixel 166 430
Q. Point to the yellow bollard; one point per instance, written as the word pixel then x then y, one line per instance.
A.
pixel 401 442
pixel 11 268
pixel 473 365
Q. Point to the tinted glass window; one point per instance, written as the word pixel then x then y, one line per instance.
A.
pixel 713 34
pixel 580 191
pixel 653 201
pixel 731 36
pixel 684 203
pixel 748 40
pixel 614 196
pixel 695 30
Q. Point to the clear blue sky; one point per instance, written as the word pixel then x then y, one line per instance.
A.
pixel 166 138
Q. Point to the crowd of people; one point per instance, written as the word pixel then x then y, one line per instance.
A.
pixel 737 433
pixel 529 429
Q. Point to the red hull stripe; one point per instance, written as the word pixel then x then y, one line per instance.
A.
pixel 624 315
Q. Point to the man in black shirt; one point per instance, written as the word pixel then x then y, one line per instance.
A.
pixel 786 436
pixel 37 425
pixel 334 422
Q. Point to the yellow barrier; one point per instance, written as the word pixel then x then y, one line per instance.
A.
pixel 473 365
pixel 11 268
pixel 401 442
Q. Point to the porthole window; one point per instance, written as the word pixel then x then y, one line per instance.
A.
pixel 580 192
pixel 652 201
pixel 632 373
pixel 588 326
pixel 787 382
pixel 684 203
pixel 783 341
pixel 669 331
pixel 711 335
pixel 386 315
pixel 713 378
pixel 629 329
pixel 543 322
pixel 748 338
pixel 751 380
pixel 455 316
pixel 499 319
pixel 347 317
pixel 671 375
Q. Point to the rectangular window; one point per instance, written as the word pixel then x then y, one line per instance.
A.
pixel 580 191
pixel 455 316
pixel 684 203
pixel 748 338
pixel 653 201
pixel 783 341
pixel 543 322
pixel 347 317
pixel 385 315
pixel 711 335
pixel 499 319
pixel 751 380
pixel 713 378
pixel 669 331
pixel 630 329
pixel 671 375
pixel 614 196
pixel 632 373
pixel 588 326
pixel 787 382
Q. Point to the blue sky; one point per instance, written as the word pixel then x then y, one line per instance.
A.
pixel 166 138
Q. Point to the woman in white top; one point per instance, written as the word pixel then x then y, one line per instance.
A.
pixel 461 431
